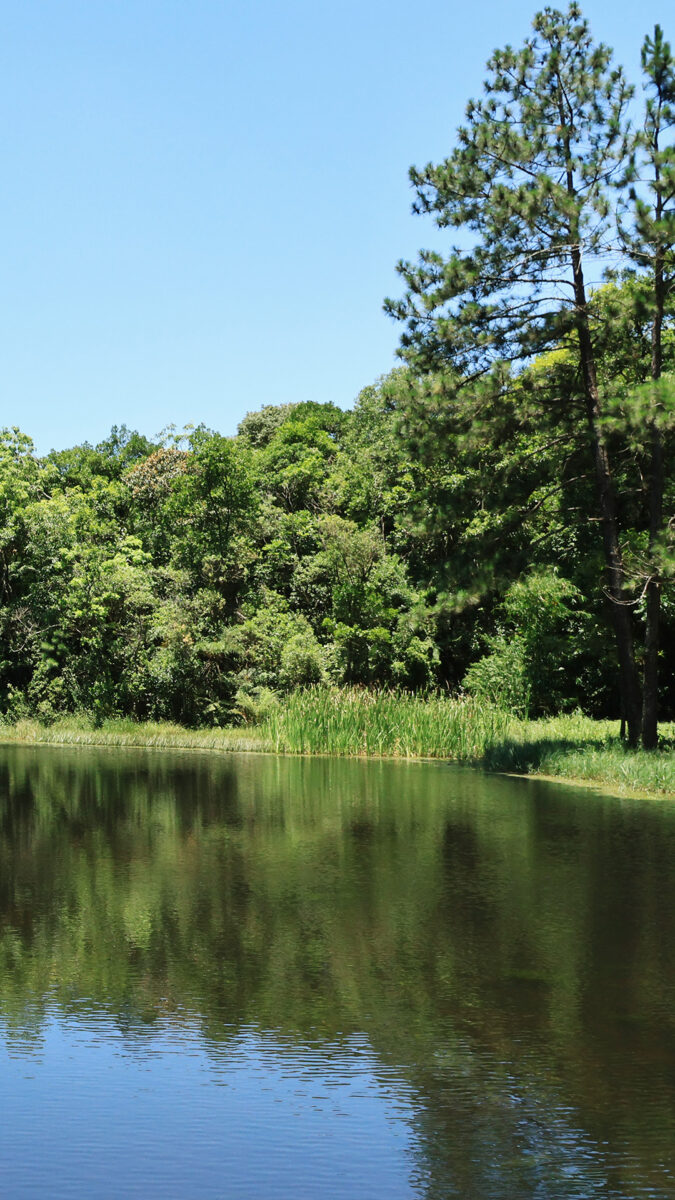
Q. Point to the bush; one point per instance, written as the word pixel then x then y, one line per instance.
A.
pixel 538 647
pixel 501 677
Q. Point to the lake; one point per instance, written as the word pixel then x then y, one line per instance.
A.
pixel 259 977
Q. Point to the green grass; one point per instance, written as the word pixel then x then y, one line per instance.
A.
pixel 579 749
pixel 162 735
pixel 351 722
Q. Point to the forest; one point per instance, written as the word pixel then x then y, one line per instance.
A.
pixel 493 518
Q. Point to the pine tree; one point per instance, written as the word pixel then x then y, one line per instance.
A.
pixel 529 182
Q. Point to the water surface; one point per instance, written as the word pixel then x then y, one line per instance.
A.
pixel 254 977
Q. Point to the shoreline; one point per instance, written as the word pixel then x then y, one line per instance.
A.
pixel 607 758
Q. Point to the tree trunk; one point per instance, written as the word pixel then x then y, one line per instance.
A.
pixel 620 601
pixel 650 675
pixel 650 682
pixel 621 614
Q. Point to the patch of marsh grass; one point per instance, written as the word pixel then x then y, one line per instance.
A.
pixel 352 722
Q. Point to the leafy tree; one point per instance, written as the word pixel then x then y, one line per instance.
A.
pixel 110 458
pixel 534 654
pixel 258 428
pixel 295 460
pixel 209 504
pixel 274 648
pixel 379 624
pixel 194 507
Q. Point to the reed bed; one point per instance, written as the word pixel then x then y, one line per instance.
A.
pixel 352 722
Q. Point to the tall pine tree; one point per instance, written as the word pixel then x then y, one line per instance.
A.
pixel 650 242
pixel 529 182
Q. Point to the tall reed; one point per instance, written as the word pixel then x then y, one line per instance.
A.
pixel 353 722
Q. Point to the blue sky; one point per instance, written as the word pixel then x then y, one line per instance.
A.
pixel 203 202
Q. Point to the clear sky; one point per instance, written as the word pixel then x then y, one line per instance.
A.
pixel 203 201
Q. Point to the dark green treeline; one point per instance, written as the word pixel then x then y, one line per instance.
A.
pixel 196 579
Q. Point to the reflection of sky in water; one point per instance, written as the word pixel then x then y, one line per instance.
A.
pixel 92 1112
pixel 90 1109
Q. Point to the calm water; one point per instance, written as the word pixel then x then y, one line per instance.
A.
pixel 276 978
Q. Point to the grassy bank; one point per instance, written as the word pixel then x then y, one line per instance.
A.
pixel 578 749
pixel 355 723
pixel 161 735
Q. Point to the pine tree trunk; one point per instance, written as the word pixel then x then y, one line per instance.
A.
pixel 619 600
pixel 621 613
pixel 650 678
pixel 650 682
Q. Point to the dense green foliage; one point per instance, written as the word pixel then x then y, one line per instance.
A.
pixel 194 581
pixel 494 517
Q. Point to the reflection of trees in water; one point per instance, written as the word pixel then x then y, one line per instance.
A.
pixel 509 959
